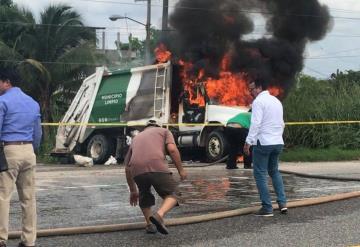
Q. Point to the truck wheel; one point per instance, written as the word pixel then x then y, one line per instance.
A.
pixel 216 146
pixel 100 148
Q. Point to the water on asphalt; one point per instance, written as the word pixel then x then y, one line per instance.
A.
pixel 79 197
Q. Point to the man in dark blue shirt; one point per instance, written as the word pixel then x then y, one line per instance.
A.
pixel 20 133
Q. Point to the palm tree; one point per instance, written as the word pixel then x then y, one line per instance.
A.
pixel 52 55
pixel 7 3
pixel 14 21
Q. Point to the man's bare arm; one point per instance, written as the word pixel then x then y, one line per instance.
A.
pixel 130 180
pixel 134 194
pixel 175 156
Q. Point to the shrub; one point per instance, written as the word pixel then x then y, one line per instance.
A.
pixel 315 100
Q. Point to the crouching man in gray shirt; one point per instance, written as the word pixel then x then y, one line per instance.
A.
pixel 145 168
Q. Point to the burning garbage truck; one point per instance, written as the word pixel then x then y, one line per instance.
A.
pixel 200 78
pixel 118 103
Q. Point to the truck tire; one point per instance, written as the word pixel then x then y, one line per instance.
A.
pixel 216 146
pixel 100 148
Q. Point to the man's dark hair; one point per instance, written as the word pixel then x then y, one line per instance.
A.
pixel 152 122
pixel 261 83
pixel 9 74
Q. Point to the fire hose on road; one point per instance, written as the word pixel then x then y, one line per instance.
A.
pixel 183 220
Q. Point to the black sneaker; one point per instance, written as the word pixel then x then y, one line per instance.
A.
pixel 21 244
pixel 232 167
pixel 262 212
pixel 283 209
pixel 159 223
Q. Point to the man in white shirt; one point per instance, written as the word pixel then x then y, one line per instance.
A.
pixel 265 135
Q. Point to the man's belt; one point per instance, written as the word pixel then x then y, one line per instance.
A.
pixel 16 143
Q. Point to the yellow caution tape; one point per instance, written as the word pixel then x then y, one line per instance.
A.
pixel 128 124
pixel 323 122
pixel 93 125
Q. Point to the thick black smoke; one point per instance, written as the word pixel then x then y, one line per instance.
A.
pixel 206 30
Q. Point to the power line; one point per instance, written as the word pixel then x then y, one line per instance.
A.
pixel 98 64
pixel 43 24
pixel 344 10
pixel 337 52
pixel 342 35
pixel 80 26
pixel 49 62
pixel 316 71
pixel 98 29
pixel 174 6
pixel 216 10
pixel 327 35
pixel 354 56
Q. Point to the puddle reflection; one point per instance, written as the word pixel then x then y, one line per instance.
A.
pixel 238 189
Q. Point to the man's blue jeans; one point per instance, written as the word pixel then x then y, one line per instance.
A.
pixel 265 161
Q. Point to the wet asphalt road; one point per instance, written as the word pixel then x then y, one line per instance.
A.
pixel 330 224
pixel 71 196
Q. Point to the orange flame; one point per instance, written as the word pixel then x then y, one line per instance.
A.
pixel 229 89
pixel 240 158
pixel 191 84
pixel 162 54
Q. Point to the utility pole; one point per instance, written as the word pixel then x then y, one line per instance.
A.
pixel 103 42
pixel 147 41
pixel 147 27
pixel 165 15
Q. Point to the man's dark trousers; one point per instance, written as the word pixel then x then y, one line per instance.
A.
pixel 236 138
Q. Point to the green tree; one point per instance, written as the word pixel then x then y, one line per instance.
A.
pixel 136 44
pixel 139 45
pixel 14 21
pixel 7 3
pixel 349 77
pixel 52 55
pixel 154 38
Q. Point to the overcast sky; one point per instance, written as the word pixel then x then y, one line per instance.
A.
pixel 339 50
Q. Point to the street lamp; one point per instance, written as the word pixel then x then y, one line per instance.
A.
pixel 147 28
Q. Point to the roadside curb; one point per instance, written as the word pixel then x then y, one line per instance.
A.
pixel 183 220
pixel 307 175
